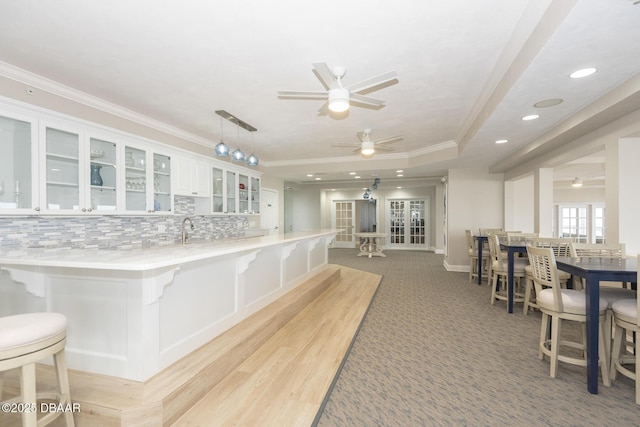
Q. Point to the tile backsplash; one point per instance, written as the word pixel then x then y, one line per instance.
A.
pixel 117 232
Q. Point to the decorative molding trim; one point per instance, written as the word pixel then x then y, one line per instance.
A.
pixel 243 261
pixel 288 249
pixel 153 287
pixel 34 282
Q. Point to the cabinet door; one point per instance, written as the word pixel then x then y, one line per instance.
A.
pixel 243 194
pixel 255 195
pixel 231 193
pixel 135 167
pixel 217 190
pixel 102 174
pixel 18 164
pixel 161 183
pixel 62 171
pixel 200 179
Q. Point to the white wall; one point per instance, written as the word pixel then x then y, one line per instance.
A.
pixel 475 200
pixel 519 214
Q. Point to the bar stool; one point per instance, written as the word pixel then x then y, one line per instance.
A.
pixel 24 340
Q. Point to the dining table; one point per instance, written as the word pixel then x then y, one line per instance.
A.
pixel 512 248
pixel 595 270
pixel 480 241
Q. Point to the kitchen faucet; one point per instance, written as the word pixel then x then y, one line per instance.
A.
pixel 185 235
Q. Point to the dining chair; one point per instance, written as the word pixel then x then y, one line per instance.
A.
pixel 561 248
pixel 472 247
pixel 558 305
pixel 516 236
pixel 626 327
pixel 500 273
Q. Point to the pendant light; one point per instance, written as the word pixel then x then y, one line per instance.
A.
pixel 252 160
pixel 222 149
pixel 238 154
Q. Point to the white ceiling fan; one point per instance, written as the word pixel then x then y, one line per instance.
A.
pixel 338 96
pixel 367 147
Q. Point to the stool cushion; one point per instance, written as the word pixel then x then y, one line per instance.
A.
pixel 626 307
pixel 572 300
pixel 27 329
pixel 614 294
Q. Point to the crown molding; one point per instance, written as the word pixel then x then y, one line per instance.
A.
pixel 42 83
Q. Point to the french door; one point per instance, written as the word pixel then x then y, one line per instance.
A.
pixel 408 223
pixel 342 218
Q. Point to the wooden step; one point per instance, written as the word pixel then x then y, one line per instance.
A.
pixel 109 401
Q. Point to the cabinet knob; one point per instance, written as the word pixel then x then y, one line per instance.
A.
pixel 37 209
pixel 89 210
pixel 84 209
pixel 195 193
pixel 150 211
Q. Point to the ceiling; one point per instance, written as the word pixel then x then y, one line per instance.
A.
pixel 467 72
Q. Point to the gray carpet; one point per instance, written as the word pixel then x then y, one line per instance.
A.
pixel 432 351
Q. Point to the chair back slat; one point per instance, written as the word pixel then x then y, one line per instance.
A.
pixel 513 237
pixel 561 245
pixel 545 273
pixel 598 250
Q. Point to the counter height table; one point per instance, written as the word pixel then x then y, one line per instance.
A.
pixel 594 271
pixel 481 240
pixel 512 249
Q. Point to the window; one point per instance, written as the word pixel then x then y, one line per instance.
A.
pixel 585 223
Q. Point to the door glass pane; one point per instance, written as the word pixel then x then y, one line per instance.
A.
pixel 344 220
pixel 161 183
pixel 15 164
pixel 135 179
pixel 217 197
pixel 396 227
pixel 231 192
pixel 417 234
pixel 255 195
pixel 243 193
pixel 102 176
pixel 62 170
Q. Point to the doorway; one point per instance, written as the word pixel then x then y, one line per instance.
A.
pixel 342 218
pixel 408 223
pixel 269 210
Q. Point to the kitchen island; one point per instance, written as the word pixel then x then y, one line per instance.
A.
pixel 134 312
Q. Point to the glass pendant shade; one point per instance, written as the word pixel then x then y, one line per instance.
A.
pixel 252 160
pixel 237 155
pixel 222 149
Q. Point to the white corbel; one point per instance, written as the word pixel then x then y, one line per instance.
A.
pixel 243 261
pixel 153 287
pixel 288 249
pixel 34 281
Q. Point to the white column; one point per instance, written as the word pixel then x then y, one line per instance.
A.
pixel 622 194
pixel 543 201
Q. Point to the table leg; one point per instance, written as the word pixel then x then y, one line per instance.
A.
pixel 510 281
pixel 593 319
pixel 479 261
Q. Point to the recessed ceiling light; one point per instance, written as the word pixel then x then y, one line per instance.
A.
pixel 582 73
pixel 548 103
pixel 309 175
pixel 398 188
pixel 502 141
pixel 318 179
pixel 352 173
pixel 399 171
pixel 357 177
pixel 399 175
pixel 530 117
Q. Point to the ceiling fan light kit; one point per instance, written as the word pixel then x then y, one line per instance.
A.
pixel 367 148
pixel 339 100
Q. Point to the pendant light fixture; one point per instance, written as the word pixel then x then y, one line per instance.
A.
pixel 222 149
pixel 252 160
pixel 238 154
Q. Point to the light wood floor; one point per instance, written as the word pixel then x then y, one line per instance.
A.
pixel 285 382
pixel 273 375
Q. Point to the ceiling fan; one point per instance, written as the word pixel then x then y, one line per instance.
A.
pixel 338 97
pixel 367 147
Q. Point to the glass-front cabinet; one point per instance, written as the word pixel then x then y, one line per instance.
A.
pixel 102 175
pixel 255 195
pixel 161 183
pixel 231 193
pixel 63 171
pixel 243 194
pixel 217 191
pixel 18 163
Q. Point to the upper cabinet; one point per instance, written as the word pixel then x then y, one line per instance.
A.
pixel 18 164
pixel 191 177
pixel 235 192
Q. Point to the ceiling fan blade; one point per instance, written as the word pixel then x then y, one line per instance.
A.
pixel 373 82
pixel 366 100
pixel 302 94
pixel 384 148
pixel 389 140
pixel 325 75
pixel 324 110
pixel 344 145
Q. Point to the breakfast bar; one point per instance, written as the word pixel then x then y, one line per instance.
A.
pixel 133 313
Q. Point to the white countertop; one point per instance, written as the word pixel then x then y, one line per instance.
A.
pixel 146 258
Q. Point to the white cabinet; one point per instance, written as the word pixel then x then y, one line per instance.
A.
pixel 18 164
pixel 191 177
pixel 147 180
pixel 234 192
